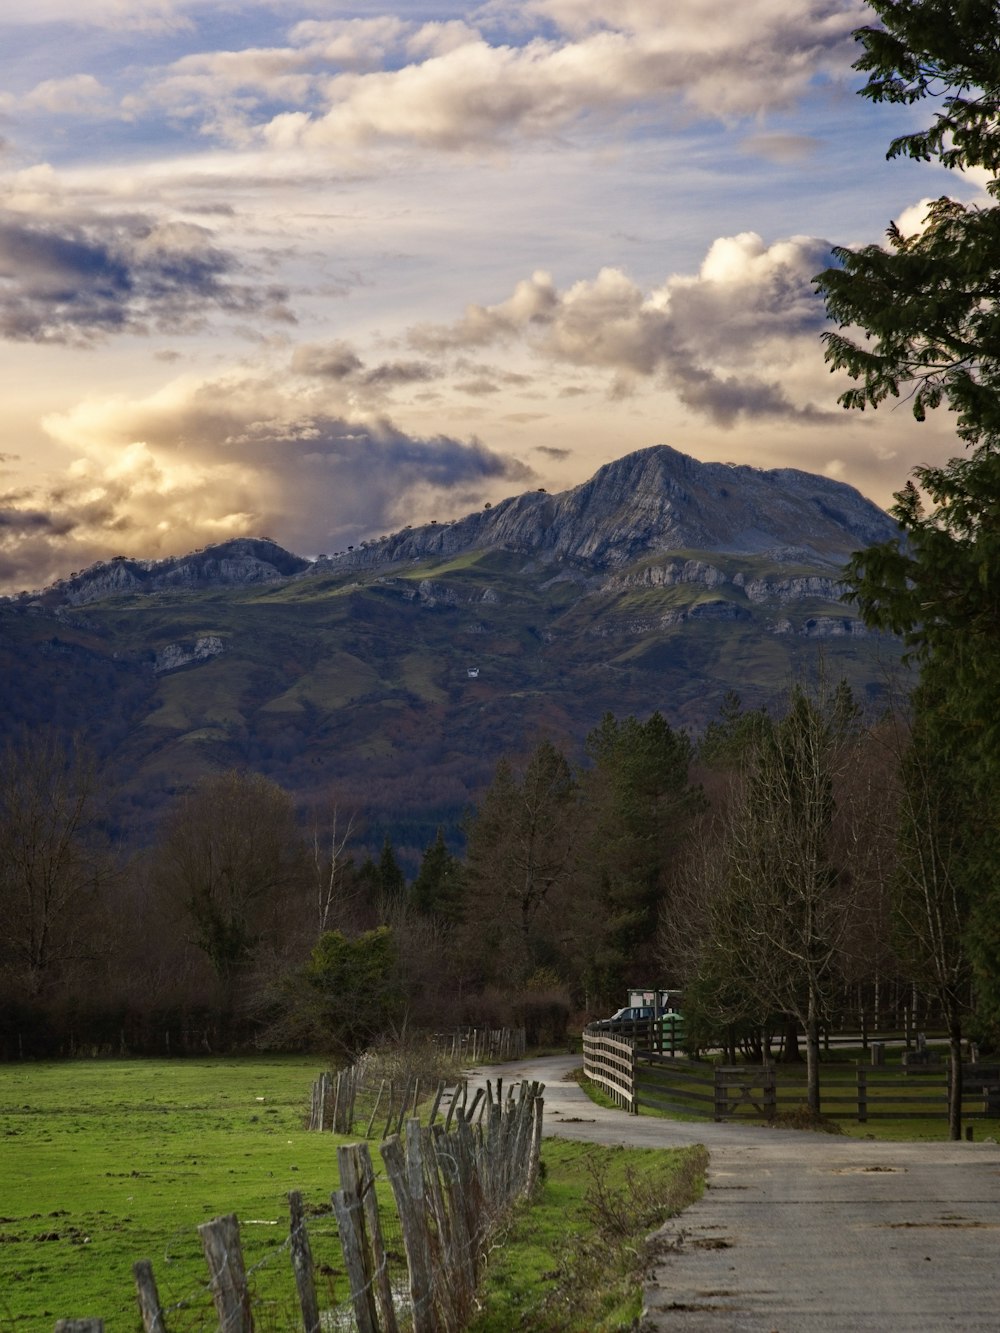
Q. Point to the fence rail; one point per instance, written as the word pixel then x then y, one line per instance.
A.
pixel 636 1078
pixel 452 1191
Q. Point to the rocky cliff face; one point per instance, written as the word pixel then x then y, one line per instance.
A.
pixel 653 501
pixel 794 588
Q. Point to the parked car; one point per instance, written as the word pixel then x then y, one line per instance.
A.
pixel 626 1018
pixel 633 1016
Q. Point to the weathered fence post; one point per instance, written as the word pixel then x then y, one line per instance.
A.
pixel 378 1102
pixel 362 1179
pixel 770 1097
pixel 220 1239
pixel 148 1297
pixel 721 1098
pixel 302 1264
pixel 413 1224
pixel 862 1094
pixel 347 1206
pixel 437 1102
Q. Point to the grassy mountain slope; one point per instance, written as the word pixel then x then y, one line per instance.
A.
pixel 357 684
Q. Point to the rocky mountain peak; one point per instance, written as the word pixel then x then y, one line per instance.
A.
pixel 652 501
pixel 241 560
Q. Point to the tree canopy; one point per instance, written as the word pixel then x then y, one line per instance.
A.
pixel 928 308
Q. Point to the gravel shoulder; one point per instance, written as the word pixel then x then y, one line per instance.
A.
pixel 800 1232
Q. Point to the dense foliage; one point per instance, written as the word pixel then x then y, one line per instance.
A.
pixel 928 309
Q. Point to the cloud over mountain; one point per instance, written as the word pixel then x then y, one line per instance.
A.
pixel 715 338
pixel 201 461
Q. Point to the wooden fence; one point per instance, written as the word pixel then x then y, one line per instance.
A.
pixel 638 1078
pixel 352 1102
pixel 470 1045
pixel 451 1189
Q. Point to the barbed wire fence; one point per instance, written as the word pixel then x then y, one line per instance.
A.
pixel 412 1261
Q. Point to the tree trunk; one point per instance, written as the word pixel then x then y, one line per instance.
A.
pixel 812 1062
pixel 955 1078
pixel 790 1053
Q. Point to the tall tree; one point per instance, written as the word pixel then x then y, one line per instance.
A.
pixel 522 847
pixel 232 860
pixel 392 881
pixel 437 890
pixel 55 860
pixel 933 890
pixel 639 802
pixel 929 307
pixel 776 889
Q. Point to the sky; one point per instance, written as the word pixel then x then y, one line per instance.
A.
pixel 313 271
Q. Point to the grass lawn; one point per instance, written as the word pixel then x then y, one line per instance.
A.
pixel 106 1162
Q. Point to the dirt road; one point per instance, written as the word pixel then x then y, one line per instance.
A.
pixel 802 1233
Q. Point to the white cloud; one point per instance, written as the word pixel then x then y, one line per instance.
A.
pixel 722 63
pixel 78 95
pixel 446 85
pixel 150 16
pixel 727 341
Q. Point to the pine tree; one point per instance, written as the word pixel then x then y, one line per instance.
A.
pixel 930 307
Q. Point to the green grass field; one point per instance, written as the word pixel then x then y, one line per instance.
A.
pixel 104 1163
pixel 107 1162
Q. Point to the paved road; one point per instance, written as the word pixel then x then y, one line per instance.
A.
pixel 808 1233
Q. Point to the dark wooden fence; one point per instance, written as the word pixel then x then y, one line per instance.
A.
pixel 452 1191
pixel 636 1078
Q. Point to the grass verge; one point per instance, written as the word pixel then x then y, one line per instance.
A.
pixel 573 1261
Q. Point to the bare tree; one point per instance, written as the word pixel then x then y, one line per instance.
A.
pixel 232 861
pixel 329 862
pixel 931 893
pixel 55 859
pixel 779 883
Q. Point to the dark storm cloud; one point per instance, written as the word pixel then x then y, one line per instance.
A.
pixel 232 457
pixel 34 521
pixel 338 361
pixel 78 282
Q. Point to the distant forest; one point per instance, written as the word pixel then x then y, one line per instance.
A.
pixel 776 871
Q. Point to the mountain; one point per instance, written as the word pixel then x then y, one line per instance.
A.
pixel 650 502
pixel 392 676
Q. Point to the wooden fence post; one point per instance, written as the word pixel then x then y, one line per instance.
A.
pixel 538 1110
pixel 363 1180
pixel 302 1264
pixel 437 1102
pixel 721 1100
pixel 770 1098
pixel 220 1239
pixel 347 1206
pixel 413 1223
pixel 378 1101
pixel 862 1094
pixel 148 1297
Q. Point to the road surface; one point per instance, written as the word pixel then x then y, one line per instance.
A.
pixel 807 1233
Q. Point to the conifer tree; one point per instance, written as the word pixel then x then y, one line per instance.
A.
pixel 929 307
